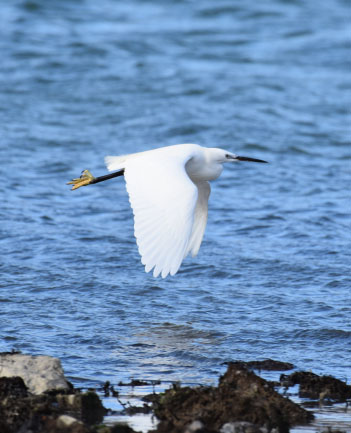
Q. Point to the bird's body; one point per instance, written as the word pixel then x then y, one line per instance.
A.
pixel 168 191
pixel 199 162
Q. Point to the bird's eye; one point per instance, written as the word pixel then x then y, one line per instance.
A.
pixel 227 155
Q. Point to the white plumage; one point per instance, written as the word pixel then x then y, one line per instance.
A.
pixel 168 191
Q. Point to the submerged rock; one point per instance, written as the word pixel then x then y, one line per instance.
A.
pixel 268 365
pixel 240 396
pixel 317 387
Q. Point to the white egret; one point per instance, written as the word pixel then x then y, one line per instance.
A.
pixel 168 191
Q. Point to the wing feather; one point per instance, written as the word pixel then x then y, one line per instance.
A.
pixel 163 199
pixel 200 218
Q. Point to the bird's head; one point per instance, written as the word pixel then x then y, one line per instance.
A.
pixel 221 156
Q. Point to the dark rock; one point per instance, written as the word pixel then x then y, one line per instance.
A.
pixel 134 382
pixel 13 413
pixel 241 427
pixel 60 412
pixel 92 410
pixel 151 398
pixel 240 396
pixel 137 382
pixel 108 390
pixel 119 428
pixel 167 427
pixel 133 410
pixel 12 386
pixel 63 424
pixel 268 365
pixel 317 387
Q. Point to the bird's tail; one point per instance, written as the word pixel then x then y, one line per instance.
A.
pixel 118 162
pixel 115 162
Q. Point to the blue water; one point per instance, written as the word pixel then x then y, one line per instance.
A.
pixel 83 79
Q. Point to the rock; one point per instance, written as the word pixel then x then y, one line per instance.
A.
pixel 267 364
pixel 39 373
pixel 14 412
pixel 14 387
pixel 317 387
pixel 268 407
pixel 242 427
pixel 118 428
pixel 240 396
pixel 86 406
pixel 43 401
pixel 64 424
pixel 92 411
pixel 65 421
pixel 51 412
pixel 195 427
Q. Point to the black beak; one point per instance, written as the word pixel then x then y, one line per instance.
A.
pixel 245 158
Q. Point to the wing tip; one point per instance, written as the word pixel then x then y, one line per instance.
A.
pixel 161 272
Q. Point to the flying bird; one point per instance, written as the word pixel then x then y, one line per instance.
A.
pixel 168 191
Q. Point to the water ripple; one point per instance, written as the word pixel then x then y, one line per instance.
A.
pixel 79 81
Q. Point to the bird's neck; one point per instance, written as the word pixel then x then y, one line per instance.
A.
pixel 199 169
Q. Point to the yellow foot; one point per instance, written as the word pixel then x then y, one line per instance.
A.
pixel 85 179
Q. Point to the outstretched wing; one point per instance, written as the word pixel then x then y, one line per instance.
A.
pixel 163 199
